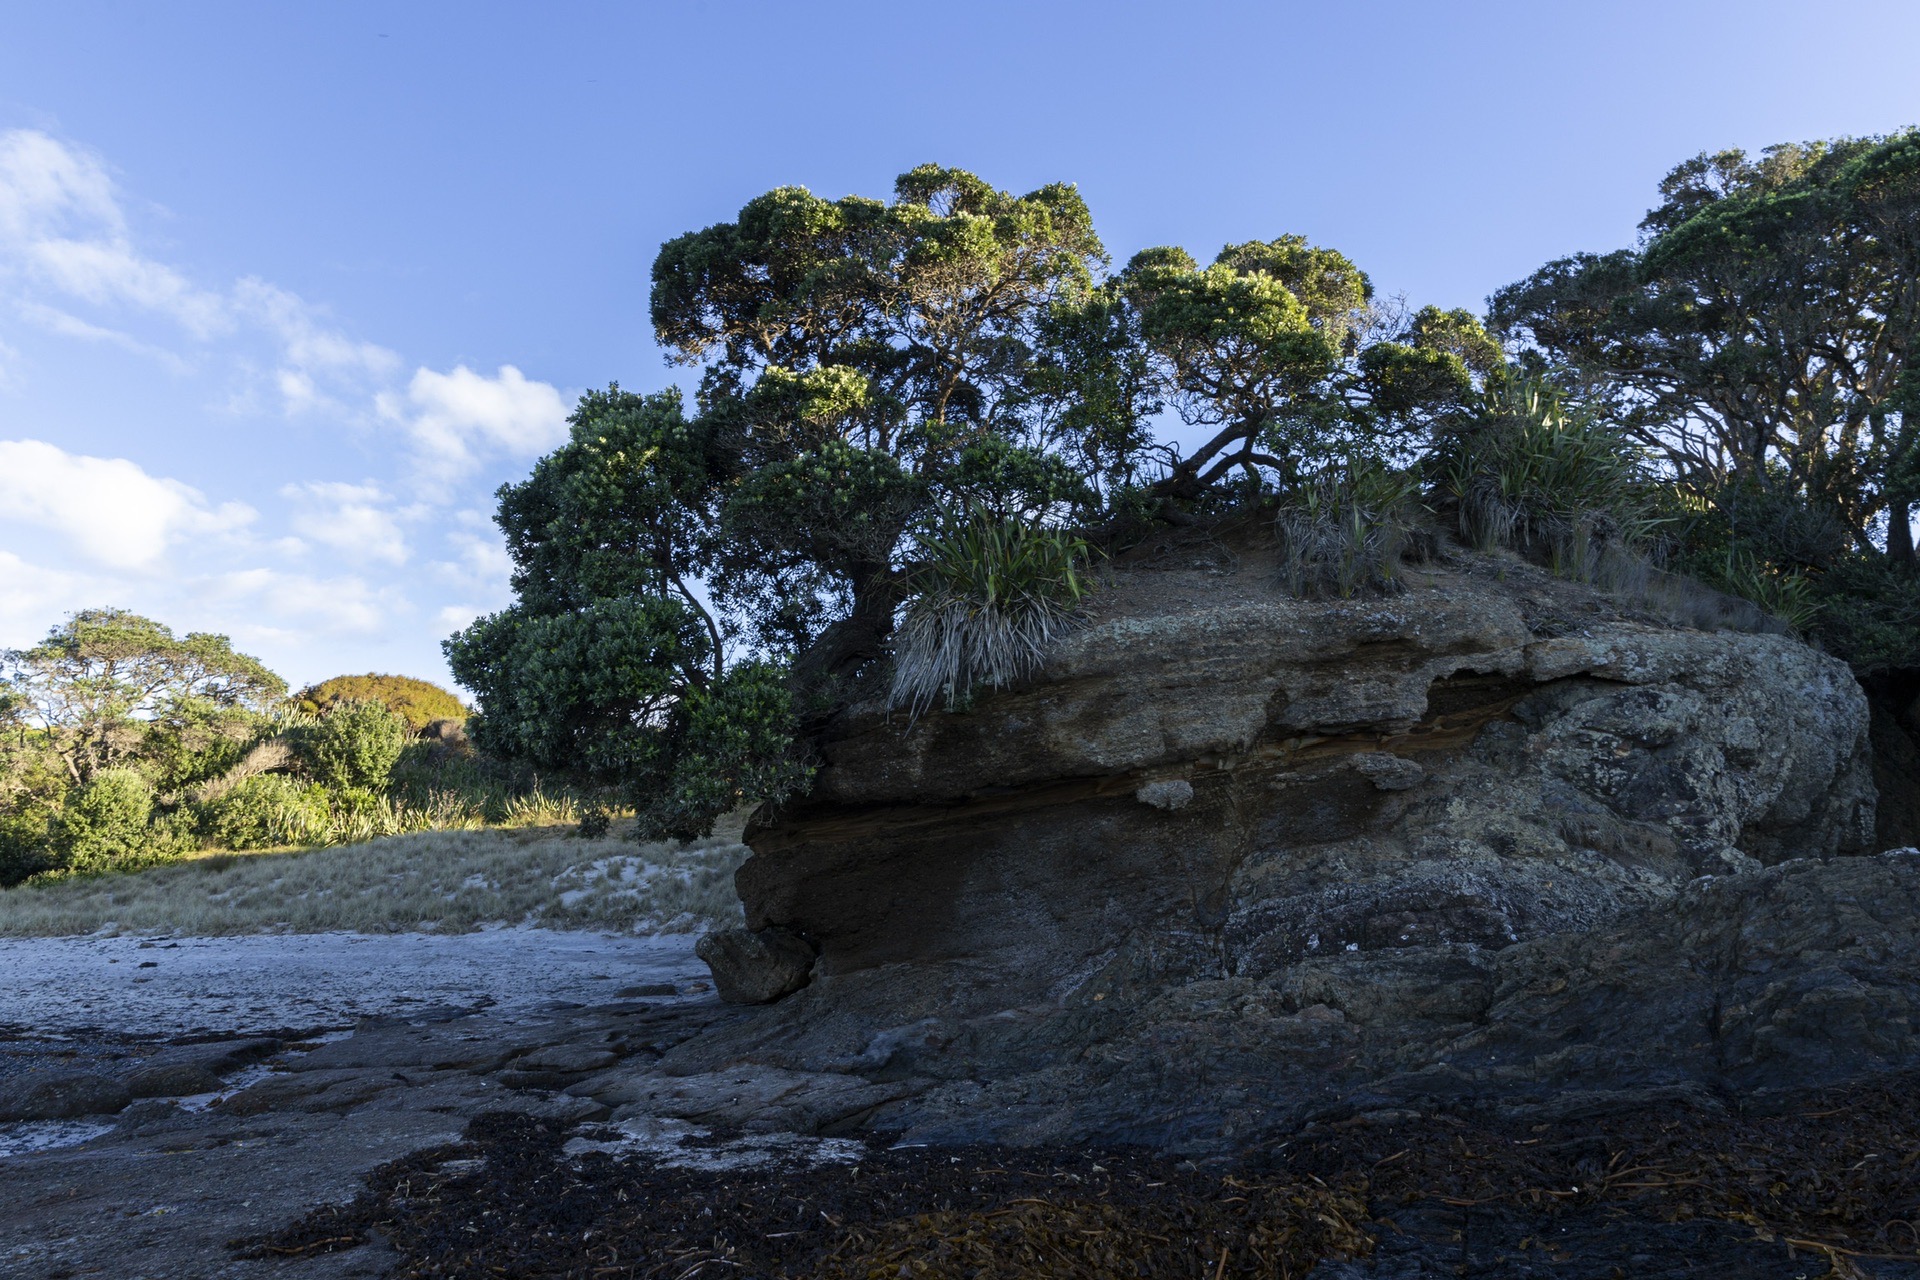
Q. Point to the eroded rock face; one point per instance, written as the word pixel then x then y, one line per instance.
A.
pixel 1215 788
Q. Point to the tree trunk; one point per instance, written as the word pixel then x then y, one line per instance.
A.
pixel 857 639
pixel 1900 531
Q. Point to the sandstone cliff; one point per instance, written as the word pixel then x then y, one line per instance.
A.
pixel 1233 857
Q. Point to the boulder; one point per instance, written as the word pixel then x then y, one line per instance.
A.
pixel 62 1095
pixel 756 966
pixel 1232 855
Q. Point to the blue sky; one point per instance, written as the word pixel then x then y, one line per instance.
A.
pixel 287 290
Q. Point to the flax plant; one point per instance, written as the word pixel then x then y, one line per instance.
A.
pixel 989 596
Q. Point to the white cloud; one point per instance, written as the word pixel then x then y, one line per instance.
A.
pixel 456 617
pixel 111 510
pixel 34 598
pixel 45 185
pixel 354 519
pixel 456 417
pixel 298 603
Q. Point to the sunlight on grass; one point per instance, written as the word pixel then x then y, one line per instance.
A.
pixel 445 881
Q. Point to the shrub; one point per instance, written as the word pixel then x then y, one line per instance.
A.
pixel 263 811
pixel 1347 529
pixel 26 842
pixel 989 596
pixel 417 702
pixel 1555 484
pixel 1870 614
pixel 104 822
pixel 355 745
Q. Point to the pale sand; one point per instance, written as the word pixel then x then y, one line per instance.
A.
pixel 262 983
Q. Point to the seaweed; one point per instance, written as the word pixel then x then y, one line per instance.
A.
pixel 1688 1187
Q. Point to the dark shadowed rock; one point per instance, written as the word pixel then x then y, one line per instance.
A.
pixel 756 966
pixel 178 1080
pixel 1234 860
pixel 62 1095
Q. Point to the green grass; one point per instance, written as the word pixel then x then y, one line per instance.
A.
pixel 445 881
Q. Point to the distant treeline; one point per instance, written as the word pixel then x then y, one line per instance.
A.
pixel 122 743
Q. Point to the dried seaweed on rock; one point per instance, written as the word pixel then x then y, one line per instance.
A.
pixel 1832 1179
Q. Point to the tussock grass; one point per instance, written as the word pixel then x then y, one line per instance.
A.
pixel 1347 529
pixel 442 881
pixel 990 596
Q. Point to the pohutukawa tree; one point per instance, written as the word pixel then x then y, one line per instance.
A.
pixel 884 385
pixel 1757 339
pixel 1279 347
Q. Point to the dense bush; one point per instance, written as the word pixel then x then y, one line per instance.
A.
pixel 265 811
pixel 418 702
pixel 1543 478
pixel 354 745
pixel 104 822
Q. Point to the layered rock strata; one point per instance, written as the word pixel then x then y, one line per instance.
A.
pixel 1231 845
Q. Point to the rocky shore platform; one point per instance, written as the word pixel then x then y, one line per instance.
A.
pixel 550 1142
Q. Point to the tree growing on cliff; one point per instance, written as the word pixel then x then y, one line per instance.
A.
pixel 882 383
pixel 1279 348
pixel 867 367
pixel 1757 342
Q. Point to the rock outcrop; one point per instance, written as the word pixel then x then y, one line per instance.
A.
pixel 1234 857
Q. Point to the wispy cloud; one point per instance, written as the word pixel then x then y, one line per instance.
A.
pixel 356 520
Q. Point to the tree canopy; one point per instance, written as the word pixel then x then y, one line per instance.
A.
pixel 100 679
pixel 1758 336
pixel 693 587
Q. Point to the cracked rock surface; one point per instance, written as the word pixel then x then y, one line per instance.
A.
pixel 1233 860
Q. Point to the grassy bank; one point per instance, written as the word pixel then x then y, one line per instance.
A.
pixel 438 880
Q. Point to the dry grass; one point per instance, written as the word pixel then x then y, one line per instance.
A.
pixel 446 881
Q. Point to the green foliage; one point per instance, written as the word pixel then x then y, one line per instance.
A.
pixel 264 812
pixel 989 595
pixel 354 745
pixel 1279 347
pixel 104 680
pixel 26 840
pixel 418 702
pixel 867 361
pixel 1786 595
pixel 1347 528
pixel 590 689
pixel 735 745
pixel 104 823
pixel 1869 613
pixel 1551 481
